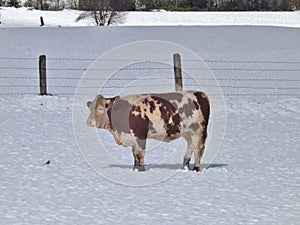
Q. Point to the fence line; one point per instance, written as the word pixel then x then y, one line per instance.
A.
pixel 224 94
pixel 166 78
pixel 161 85
pixel 158 60
pixel 263 66
pixel 154 68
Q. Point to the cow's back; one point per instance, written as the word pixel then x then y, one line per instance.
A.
pixel 168 115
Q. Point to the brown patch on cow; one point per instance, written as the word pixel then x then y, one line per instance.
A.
pixel 149 103
pixel 127 118
pixel 169 115
pixel 135 108
pixel 203 102
pixel 152 106
pixel 145 101
pixel 194 126
pixel 176 119
pixel 196 104
pixel 140 128
pixel 187 108
pixel 119 116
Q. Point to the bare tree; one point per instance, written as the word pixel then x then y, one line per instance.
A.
pixel 104 12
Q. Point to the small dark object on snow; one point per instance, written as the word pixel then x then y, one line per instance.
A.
pixel 47 163
pixel 42 21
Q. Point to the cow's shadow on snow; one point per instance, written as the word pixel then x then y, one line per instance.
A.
pixel 175 166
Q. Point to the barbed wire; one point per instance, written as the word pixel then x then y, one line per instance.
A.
pixel 220 95
pixel 155 68
pixel 161 85
pixel 158 60
pixel 53 74
pixel 158 78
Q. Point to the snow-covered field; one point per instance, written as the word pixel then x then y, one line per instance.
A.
pixel 12 17
pixel 253 180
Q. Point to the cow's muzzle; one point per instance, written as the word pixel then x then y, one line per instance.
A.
pixel 90 123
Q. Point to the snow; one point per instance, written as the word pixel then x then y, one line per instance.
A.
pixel 12 17
pixel 286 19
pixel 23 17
pixel 254 179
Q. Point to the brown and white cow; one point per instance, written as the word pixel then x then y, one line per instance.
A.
pixel 165 116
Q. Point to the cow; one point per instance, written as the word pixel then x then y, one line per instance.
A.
pixel 133 119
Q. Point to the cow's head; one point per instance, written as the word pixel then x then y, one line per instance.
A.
pixel 99 108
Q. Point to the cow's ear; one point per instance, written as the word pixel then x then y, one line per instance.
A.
pixel 88 104
pixel 110 101
pixel 114 99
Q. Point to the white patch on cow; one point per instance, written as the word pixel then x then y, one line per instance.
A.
pixel 135 113
pixel 128 140
pixel 116 136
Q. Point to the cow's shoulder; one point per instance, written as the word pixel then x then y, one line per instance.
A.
pixel 134 99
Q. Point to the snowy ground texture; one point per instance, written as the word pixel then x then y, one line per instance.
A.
pixel 253 180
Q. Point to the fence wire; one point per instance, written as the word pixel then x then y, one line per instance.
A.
pixel 19 76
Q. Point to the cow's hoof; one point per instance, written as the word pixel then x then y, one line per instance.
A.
pixel 196 169
pixel 138 168
pixel 141 168
pixel 186 168
pixel 135 168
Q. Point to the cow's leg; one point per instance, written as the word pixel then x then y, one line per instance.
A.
pixel 187 158
pixel 199 150
pixel 136 162
pixel 188 153
pixel 139 154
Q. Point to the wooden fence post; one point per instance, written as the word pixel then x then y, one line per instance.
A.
pixel 42 21
pixel 42 71
pixel 177 72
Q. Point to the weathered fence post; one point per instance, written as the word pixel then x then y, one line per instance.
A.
pixel 42 71
pixel 177 72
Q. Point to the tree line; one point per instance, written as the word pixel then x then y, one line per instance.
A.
pixel 222 5
pixel 35 4
pixel 170 5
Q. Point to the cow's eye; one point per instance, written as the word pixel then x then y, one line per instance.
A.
pixel 100 109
